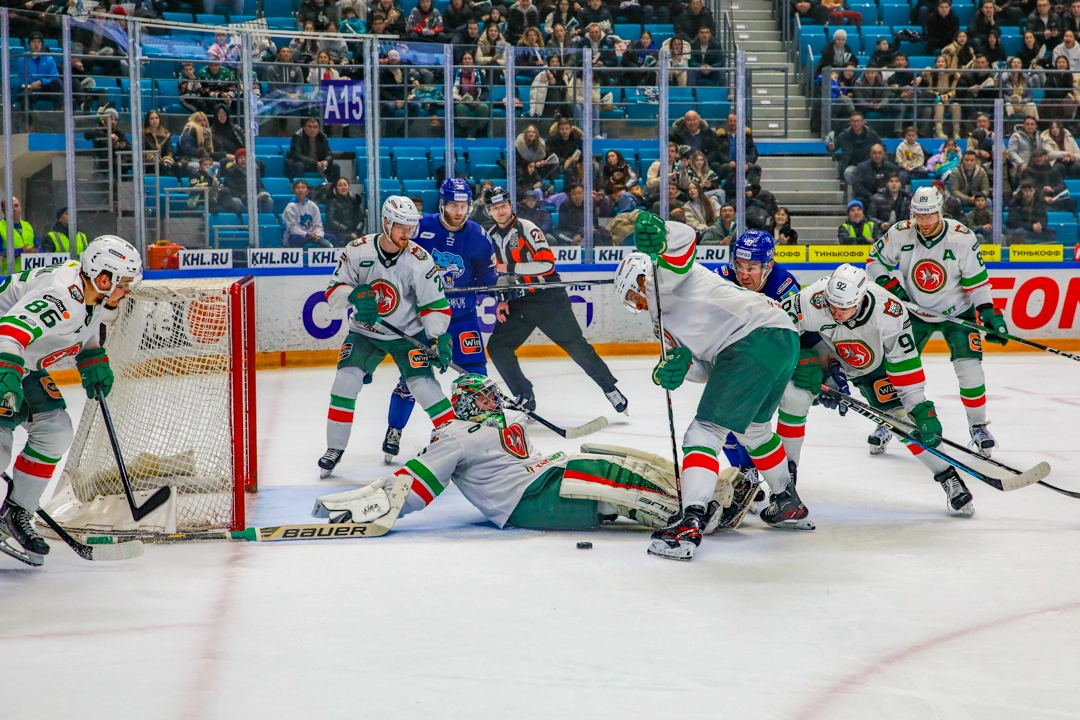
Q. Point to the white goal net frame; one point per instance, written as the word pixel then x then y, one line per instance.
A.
pixel 183 406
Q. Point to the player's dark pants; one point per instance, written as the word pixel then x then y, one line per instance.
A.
pixel 550 311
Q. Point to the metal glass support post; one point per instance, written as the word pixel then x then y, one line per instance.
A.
pixel 448 95
pixel 138 190
pixel 740 140
pixel 664 126
pixel 587 153
pixel 511 128
pixel 251 109
pixel 826 101
pixel 371 129
pixel 69 134
pixel 8 101
pixel 998 160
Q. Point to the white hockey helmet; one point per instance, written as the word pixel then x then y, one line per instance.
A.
pixel 632 267
pixel 400 210
pixel 926 201
pixel 114 255
pixel 847 287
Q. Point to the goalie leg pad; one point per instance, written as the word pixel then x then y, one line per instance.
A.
pixel 640 490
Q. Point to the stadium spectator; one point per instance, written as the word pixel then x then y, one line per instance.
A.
pixel 157 144
pixel 529 179
pixel 616 171
pixel 322 69
pixel 1032 52
pixel 910 157
pixel 394 17
pixel 1017 86
pixel 222 50
pixel 1070 19
pixel 692 134
pixel 723 231
pixel 529 208
pixel 692 19
pixel 600 45
pixel 565 142
pixel 286 81
pixel 595 12
pixel 480 214
pixel 562 13
pixel 1064 152
pixel 702 211
pixel 945 161
pixel 472 112
pixel 109 139
pixel 906 85
pixel 977 89
pixel 728 149
pixel 1049 181
pixel 396 105
pixel 969 180
pixel 679 51
pixel 872 174
pixel 571 206
pixel 497 17
pixel 1068 48
pixel 549 91
pixel 216 197
pixel 959 52
pixel 811 11
pixel 1060 95
pixel 38 77
pixel 234 181
pixel 219 84
pixel 521 15
pixel 872 94
pixel 303 221
pixel 305 49
pixel 981 140
pixel 560 46
pixel 492 47
pixel 652 176
pixel 993 50
pixel 1028 219
pixel 344 213
pixel 837 53
pixel 779 226
pixel 458 15
pixel 980 220
pixel 531 54
pixel 706 57
pixel 228 137
pixel 950 207
pixel 317 12
pixel 1022 142
pixel 57 241
pixel 530 147
pixel 1045 24
pixel 838 13
pixel 639 54
pixel 673 201
pixel 425 23
pixel 696 170
pixel 942 26
pixel 941 85
pixel 891 205
pixel 984 22
pixel 84 88
pixel 309 152
pixel 854 145
pixel 858 229
pixel 196 138
pixel 24 234
pixel 466 40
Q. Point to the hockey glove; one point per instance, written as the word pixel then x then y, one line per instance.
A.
pixel 992 319
pixel 11 377
pixel 443 353
pixel 893 285
pixel 94 369
pixel 670 372
pixel 365 305
pixel 837 380
pixel 808 374
pixel 650 234
pixel 925 416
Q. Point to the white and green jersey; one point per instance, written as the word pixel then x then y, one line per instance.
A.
pixel 492 463
pixel 879 334
pixel 945 274
pixel 43 318
pixel 703 312
pixel 408 287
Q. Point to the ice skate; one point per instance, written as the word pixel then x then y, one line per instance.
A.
pixel 786 511
pixel 681 536
pixel 391 444
pixel 745 490
pixel 879 440
pixel 960 500
pixel 329 461
pixel 18 537
pixel 793 471
pixel 981 440
pixel 618 401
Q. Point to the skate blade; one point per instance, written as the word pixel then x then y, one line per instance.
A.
pixel 388 459
pixel 683 552
pixel 10 546
pixel 323 474
pixel 965 512
pixel 877 450
pixel 803 524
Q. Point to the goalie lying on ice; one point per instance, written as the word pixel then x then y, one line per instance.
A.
pixel 488 454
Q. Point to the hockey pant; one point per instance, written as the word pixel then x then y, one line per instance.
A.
pixel 49 437
pixel 795 405
pixel 702 444
pixel 468 353
pixel 550 312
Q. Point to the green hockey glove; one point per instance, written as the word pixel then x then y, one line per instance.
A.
pixel 365 305
pixel 11 377
pixel 808 373
pixel 893 285
pixel 670 372
pixel 94 369
pixel 650 234
pixel 992 319
pixel 444 352
pixel 925 416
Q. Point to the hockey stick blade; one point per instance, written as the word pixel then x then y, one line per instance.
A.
pixel 154 501
pixel 1028 477
pixel 107 552
pixel 582 430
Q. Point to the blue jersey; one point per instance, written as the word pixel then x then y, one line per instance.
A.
pixel 466 258
pixel 779 285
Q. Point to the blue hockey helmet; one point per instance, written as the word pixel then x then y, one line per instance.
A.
pixel 455 190
pixel 752 245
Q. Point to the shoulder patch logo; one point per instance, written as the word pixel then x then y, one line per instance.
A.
pixel 818 299
pixel 855 353
pixel 893 308
pixel 513 441
pixel 387 296
pixel 76 293
pixel 418 252
pixel 929 275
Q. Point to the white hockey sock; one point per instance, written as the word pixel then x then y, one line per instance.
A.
pixel 339 420
pixel 791 420
pixel 48 438
pixel 969 372
pixel 767 452
pixel 930 460
pixel 702 443
pixel 429 394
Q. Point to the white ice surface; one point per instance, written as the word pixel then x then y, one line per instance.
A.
pixel 891 609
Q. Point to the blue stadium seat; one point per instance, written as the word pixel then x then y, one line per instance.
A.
pixel 965 12
pixel 431 200
pixel 488 172
pixel 1061 218
pixel 660 32
pixel 1073 186
pixel 277 185
pixel 273 166
pixel 415 187
pixel 1066 233
pixel 209 20
pixel 895 15
pixel 921 61
pixel 815 38
pixel 869 11
pixel 485 156
pixel 412 168
pixel 284 22
pixel 627 31
pixel 178 17
pixel 1011 44
pixel 641 114
pixel 271 236
pixel 870 36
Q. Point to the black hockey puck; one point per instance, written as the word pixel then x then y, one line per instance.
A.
pixel 584 546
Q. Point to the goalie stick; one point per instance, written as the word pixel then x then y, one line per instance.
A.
pixel 138 512
pixel 916 310
pixel 571 433
pixel 104 549
pixel 534 286
pixel 1017 481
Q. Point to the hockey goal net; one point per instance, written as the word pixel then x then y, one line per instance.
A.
pixel 183 405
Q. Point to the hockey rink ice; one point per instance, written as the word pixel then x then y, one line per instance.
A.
pixel 891 609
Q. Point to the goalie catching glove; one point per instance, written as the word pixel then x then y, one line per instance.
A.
pixel 94 370
pixel 11 377
pixel 670 372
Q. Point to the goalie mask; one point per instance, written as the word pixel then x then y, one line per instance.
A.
pixel 474 397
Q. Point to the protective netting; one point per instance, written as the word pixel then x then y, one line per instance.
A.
pixel 171 405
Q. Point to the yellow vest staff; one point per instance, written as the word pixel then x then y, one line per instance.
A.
pixel 24 238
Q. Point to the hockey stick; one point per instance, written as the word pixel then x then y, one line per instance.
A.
pixel 1015 482
pixel 569 433
pixel 916 310
pixel 104 549
pixel 154 501
pixel 667 393
pixel 534 286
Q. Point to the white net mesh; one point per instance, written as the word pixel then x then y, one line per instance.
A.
pixel 170 351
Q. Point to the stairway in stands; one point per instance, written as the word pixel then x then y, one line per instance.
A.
pixel 806 184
